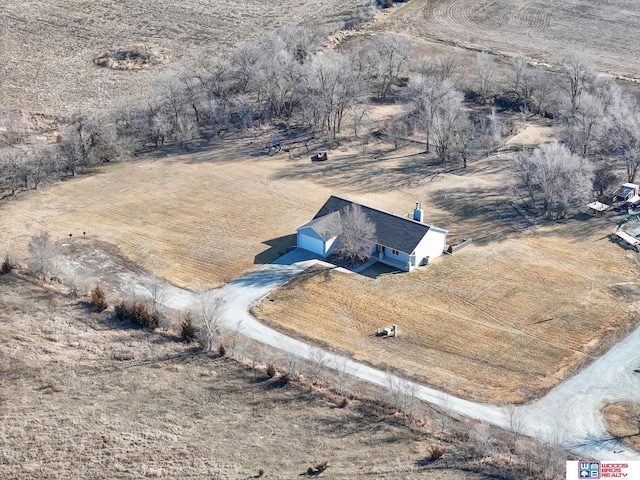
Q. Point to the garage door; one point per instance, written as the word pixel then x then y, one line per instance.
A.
pixel 311 244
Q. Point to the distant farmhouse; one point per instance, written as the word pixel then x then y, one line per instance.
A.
pixel 403 243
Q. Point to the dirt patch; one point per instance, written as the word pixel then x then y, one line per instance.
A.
pixel 622 420
pixel 629 291
pixel 133 58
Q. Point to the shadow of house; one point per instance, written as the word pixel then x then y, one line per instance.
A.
pixel 278 247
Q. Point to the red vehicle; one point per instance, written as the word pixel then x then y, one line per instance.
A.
pixel 322 156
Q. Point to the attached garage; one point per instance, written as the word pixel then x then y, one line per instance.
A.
pixel 320 234
pixel 309 239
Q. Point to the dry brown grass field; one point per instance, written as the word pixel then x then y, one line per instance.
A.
pixel 623 420
pixel 542 30
pixel 209 216
pixel 47 47
pixel 502 322
pixel 83 396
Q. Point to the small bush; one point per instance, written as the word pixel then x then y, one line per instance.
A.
pixel 318 469
pixel 188 331
pixel 8 264
pixel 344 402
pixel 436 452
pixel 137 313
pixel 285 379
pixel 222 351
pixel 98 298
pixel 261 473
pixel 271 370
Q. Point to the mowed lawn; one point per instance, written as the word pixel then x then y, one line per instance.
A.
pixel 501 322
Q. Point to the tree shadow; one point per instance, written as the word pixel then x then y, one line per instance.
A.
pixel 377 171
pixel 479 213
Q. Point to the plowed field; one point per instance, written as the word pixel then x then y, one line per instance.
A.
pixel 47 47
pixel 540 29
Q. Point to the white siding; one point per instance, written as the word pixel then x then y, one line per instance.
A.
pixel 310 240
pixel 432 245
pixel 329 245
pixel 400 256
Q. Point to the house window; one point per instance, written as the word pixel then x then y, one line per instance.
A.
pixel 382 248
pixel 395 252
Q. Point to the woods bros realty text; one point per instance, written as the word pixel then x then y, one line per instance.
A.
pixel 597 469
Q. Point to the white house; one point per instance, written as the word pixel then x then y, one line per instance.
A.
pixel 401 242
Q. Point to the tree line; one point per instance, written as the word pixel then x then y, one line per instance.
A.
pixel 289 78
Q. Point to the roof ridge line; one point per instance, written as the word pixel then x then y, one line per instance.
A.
pixel 386 213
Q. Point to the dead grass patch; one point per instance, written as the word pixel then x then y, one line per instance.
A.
pixel 622 420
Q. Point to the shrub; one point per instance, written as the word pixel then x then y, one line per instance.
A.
pixel 98 299
pixel 285 379
pixel 344 402
pixel 318 469
pixel 8 264
pixel 222 351
pixel 188 331
pixel 436 452
pixel 260 473
pixel 137 313
pixel 271 370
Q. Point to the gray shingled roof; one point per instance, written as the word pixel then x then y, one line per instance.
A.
pixel 392 231
pixel 328 226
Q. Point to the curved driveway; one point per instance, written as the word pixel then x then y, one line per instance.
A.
pixel 569 413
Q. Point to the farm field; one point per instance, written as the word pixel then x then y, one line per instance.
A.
pixel 82 396
pixel 541 30
pixel 500 322
pixel 47 47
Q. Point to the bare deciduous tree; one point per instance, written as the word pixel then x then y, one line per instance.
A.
pixel 43 255
pixel 604 181
pixel 560 179
pixel 13 170
pixel 245 59
pixel 332 88
pixel 396 130
pixel 428 95
pixel 449 119
pixel 393 55
pixel 584 124
pixel 577 72
pixel 342 379
pixel 209 307
pixel 357 236
pixel 484 71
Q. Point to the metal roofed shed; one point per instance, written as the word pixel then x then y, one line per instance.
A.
pixel 598 207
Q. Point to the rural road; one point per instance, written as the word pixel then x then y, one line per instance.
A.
pixel 570 413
